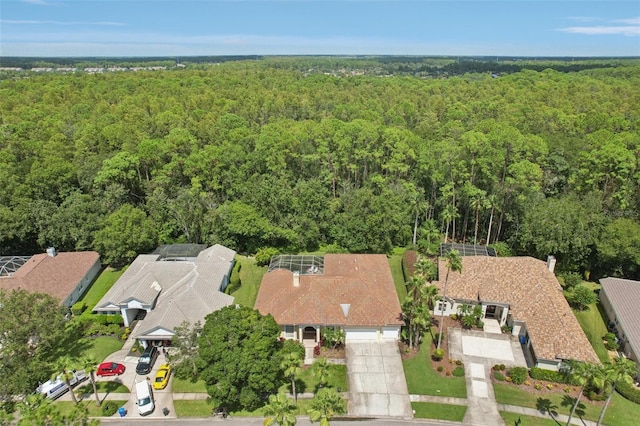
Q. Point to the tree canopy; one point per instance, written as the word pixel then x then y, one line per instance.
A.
pixel 265 153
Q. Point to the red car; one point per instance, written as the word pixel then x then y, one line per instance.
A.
pixel 110 369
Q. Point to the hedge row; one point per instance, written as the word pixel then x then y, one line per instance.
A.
pixel 629 391
pixel 548 375
pixel 409 259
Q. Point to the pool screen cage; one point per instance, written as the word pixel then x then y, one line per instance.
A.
pixel 467 249
pixel 304 264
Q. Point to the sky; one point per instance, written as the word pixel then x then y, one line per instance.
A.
pixel 601 28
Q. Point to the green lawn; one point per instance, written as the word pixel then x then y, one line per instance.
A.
pixel 303 406
pixel 250 278
pixel 192 408
pixel 512 418
pixel 100 287
pixel 423 380
pixel 621 412
pixel 181 385
pixel 307 381
pixel 66 407
pixel 429 410
pixel 395 263
pixel 594 327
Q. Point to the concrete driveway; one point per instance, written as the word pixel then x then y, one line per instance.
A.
pixel 377 385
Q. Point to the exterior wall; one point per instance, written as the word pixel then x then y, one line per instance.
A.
pixel 390 333
pixel 227 277
pixel 611 314
pixel 362 333
pixel 548 364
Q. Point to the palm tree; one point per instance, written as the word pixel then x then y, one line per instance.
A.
pixel 620 369
pixel 478 201
pixel 325 405
pixel 291 364
pixel 89 366
pixel 64 368
pixel 454 263
pixel 321 371
pixel 280 410
pixel 491 202
pixel 425 268
pixel 583 374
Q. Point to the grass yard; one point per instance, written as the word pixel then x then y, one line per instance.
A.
pixel 395 263
pixel 594 327
pixel 192 408
pixel 181 386
pixel 66 407
pixel 621 412
pixel 303 405
pixel 512 418
pixel 307 382
pixel 422 379
pixel 429 410
pixel 100 287
pixel 250 278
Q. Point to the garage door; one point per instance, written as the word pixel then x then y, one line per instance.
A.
pixel 390 332
pixel 361 333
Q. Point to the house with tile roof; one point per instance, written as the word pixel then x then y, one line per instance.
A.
pixel 523 293
pixel 163 290
pixel 63 275
pixel 620 299
pixel 352 292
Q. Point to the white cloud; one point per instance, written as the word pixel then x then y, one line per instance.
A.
pixel 34 22
pixel 604 30
pixel 584 19
pixel 631 21
pixel 38 2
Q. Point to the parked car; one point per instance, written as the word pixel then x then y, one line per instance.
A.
pixel 144 398
pixel 110 369
pixel 147 359
pixel 162 377
pixel 54 388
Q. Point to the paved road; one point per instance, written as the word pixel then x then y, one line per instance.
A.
pixel 304 421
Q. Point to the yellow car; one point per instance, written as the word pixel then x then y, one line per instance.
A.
pixel 162 377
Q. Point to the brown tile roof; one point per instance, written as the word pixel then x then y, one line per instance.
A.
pixel 57 276
pixel 362 280
pixel 534 296
pixel 624 297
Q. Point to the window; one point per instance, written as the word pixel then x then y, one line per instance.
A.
pixel 288 331
pixel 442 306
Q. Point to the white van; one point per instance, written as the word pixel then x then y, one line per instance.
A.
pixel 144 396
pixel 54 388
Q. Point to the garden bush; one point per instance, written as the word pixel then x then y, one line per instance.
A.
pixel 547 375
pixel 498 376
pixel 293 346
pixel 263 256
pixel 78 308
pixel 440 368
pixel 610 342
pixel 571 279
pixel 518 375
pixel 537 386
pixel 629 391
pixel 109 408
pixel 458 372
pixel 437 354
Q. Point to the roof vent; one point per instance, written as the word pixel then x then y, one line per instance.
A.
pixel 345 308
pixel 51 251
pixel 551 263
pixel 296 279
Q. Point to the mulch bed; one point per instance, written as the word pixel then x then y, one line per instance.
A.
pixel 337 353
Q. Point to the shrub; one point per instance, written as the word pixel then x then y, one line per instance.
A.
pixel 571 279
pixel 538 386
pixel 507 329
pixel 448 373
pixel 518 375
pixel 316 350
pixel 109 408
pixel 498 376
pixel 503 367
pixel 78 308
pixel 437 355
pixel 496 367
pixel 582 297
pixel 293 346
pixel 263 256
pixel 458 362
pixel 549 386
pixel 629 391
pixel 566 389
pixel 610 342
pixel 547 375
pixel 454 316
pixel 527 383
pixel 458 372
pixel 440 368
pixel 508 379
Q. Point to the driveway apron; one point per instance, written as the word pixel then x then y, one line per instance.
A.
pixel 377 385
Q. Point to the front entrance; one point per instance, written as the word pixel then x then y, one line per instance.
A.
pixel 309 333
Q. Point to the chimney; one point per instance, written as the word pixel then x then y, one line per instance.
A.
pixel 345 308
pixel 51 251
pixel 551 263
pixel 296 278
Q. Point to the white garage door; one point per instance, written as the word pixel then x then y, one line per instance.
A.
pixel 361 333
pixel 390 332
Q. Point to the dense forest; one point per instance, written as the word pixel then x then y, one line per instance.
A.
pixel 259 154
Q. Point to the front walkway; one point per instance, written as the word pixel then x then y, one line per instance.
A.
pixel 377 385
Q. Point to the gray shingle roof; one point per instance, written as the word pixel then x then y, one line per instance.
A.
pixel 177 290
pixel 624 296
